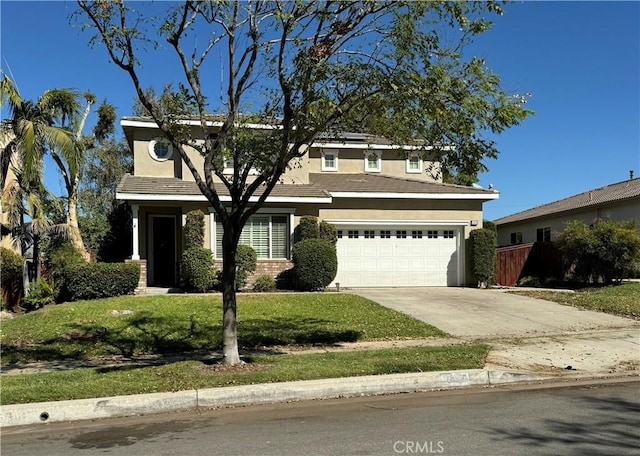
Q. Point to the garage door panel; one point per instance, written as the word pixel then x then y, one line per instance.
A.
pixel 411 261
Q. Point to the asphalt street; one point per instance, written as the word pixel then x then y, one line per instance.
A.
pixel 576 418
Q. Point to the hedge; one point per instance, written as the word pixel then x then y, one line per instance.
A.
pixel 101 280
pixel 11 275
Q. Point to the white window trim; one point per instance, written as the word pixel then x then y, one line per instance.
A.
pixel 270 211
pixel 229 169
pixel 152 149
pixel 408 164
pixel 335 160
pixel 375 169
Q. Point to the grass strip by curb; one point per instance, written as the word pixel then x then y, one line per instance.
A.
pixel 128 379
pixel 623 300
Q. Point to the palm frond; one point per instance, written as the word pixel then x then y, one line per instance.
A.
pixel 9 94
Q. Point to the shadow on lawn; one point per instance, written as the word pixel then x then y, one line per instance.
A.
pixel 146 334
pixel 292 331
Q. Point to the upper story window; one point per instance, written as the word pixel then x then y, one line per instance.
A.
pixel 372 162
pixel 160 149
pixel 330 161
pixel 414 164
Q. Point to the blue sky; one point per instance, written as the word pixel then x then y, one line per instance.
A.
pixel 580 60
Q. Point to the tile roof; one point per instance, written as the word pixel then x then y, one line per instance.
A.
pixel 145 185
pixel 378 183
pixel 611 193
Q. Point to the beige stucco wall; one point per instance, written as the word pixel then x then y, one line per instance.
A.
pixel 393 164
pixel 349 161
pixel 625 210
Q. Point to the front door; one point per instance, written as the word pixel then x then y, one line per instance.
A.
pixel 164 251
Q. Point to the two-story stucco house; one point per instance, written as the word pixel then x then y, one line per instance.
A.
pixel 398 224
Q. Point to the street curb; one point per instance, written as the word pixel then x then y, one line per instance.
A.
pixel 140 404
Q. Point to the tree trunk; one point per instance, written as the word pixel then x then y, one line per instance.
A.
pixel 72 221
pixel 230 352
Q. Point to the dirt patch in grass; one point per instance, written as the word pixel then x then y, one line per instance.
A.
pixel 217 367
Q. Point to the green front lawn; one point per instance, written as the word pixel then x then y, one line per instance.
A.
pixel 129 379
pixel 179 324
pixel 621 299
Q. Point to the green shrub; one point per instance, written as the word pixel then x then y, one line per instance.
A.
pixel 605 251
pixel 246 263
pixel 483 244
pixel 197 270
pixel 41 293
pixel 264 283
pixel 315 264
pixel 10 278
pixel 307 229
pixel 101 280
pixel 328 232
pixel 58 262
pixel 194 230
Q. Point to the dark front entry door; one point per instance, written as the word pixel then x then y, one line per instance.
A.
pixel 164 251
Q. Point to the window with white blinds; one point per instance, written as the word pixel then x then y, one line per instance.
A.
pixel 267 234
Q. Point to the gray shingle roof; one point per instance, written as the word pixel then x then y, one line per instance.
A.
pixel 377 183
pixel 144 185
pixel 608 194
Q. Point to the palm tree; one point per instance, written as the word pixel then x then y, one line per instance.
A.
pixel 26 135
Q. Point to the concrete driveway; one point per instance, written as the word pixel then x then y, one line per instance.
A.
pixel 524 333
pixel 474 313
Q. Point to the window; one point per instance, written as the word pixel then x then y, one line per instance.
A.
pixel 372 162
pixel 448 234
pixel 229 166
pixel 385 234
pixel 329 161
pixel 267 234
pixel 369 234
pixel 416 234
pixel 353 234
pixel 339 234
pixel 401 234
pixel 516 238
pixel 414 164
pixel 432 234
pixel 543 234
pixel 160 149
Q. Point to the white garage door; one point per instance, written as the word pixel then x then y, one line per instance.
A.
pixel 397 256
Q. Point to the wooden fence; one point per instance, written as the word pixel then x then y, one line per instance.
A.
pixel 536 259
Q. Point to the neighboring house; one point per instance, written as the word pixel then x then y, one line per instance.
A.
pixel 619 201
pixel 398 224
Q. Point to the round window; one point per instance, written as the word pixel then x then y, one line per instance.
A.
pixel 160 149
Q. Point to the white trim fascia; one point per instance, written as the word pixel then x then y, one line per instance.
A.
pixel 224 199
pixel 210 123
pixel 396 222
pixel 457 196
pixel 339 145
